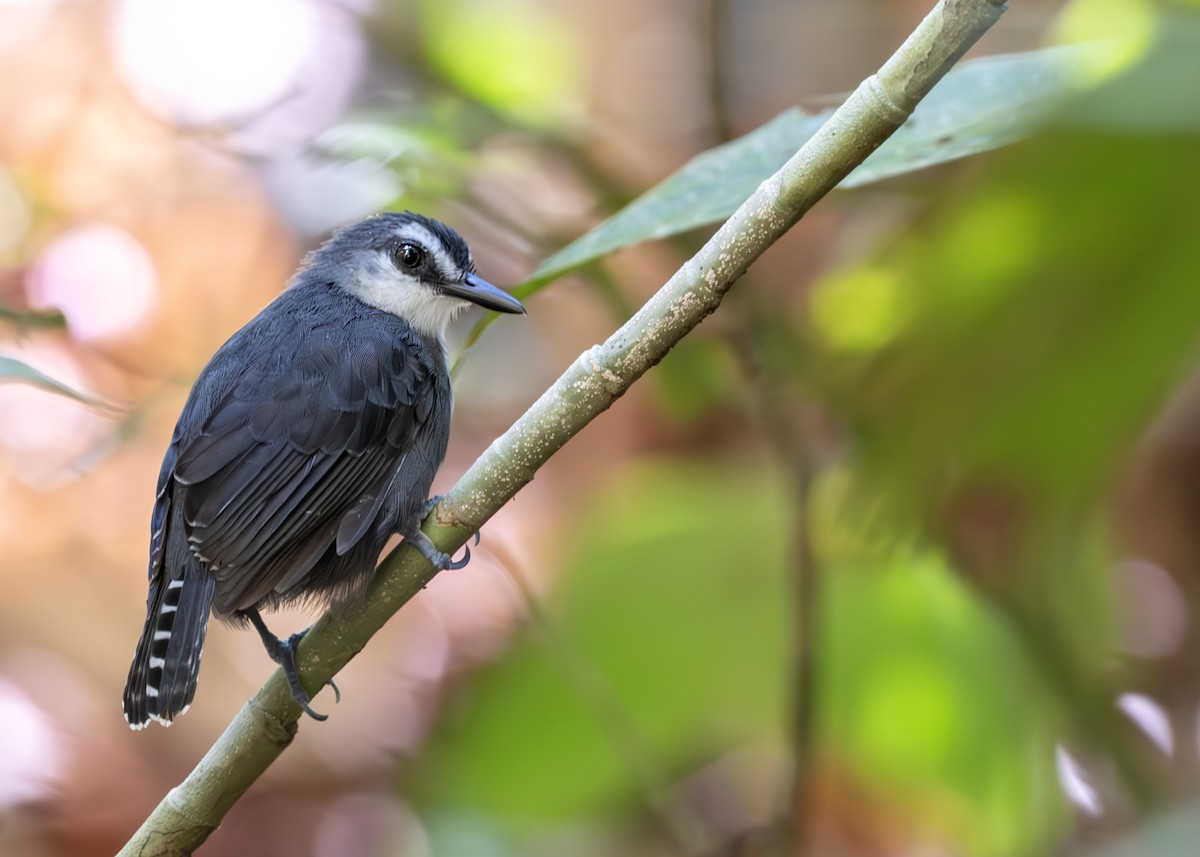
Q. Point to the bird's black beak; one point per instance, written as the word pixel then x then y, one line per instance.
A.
pixel 480 291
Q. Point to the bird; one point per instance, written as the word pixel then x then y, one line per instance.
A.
pixel 309 439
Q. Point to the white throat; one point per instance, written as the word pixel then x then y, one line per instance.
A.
pixel 382 285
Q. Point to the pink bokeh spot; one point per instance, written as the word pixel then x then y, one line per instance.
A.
pixel 30 757
pixel 100 277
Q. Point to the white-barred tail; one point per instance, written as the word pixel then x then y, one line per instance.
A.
pixel 162 678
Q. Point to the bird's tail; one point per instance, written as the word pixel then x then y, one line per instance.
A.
pixel 162 678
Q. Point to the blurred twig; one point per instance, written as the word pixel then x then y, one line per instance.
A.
pixel 589 684
pixel 775 402
pixel 716 28
pixel 601 375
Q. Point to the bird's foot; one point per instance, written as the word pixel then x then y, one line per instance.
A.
pixel 283 652
pixel 285 656
pixel 430 503
pixel 438 559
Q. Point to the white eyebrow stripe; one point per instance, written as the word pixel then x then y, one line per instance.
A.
pixel 441 259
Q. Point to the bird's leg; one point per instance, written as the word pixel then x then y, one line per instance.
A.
pixel 283 652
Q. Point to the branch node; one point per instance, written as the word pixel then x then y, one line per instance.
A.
pixel 613 383
pixel 278 730
pixel 879 100
pixel 179 803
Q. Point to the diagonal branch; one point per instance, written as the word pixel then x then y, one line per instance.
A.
pixel 601 375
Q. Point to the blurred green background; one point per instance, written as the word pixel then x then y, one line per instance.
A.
pixel 895 555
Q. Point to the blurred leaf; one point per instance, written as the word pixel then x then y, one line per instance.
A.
pixel 1028 326
pixel 12 369
pixel 386 139
pixel 509 54
pixel 906 709
pixel 998 359
pixel 672 607
pixel 427 148
pixel 979 106
pixel 697 376
pixel 1143 78
pixel 28 319
pixel 675 601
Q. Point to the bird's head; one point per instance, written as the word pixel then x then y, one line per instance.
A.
pixel 413 267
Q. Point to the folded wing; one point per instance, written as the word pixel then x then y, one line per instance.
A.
pixel 296 458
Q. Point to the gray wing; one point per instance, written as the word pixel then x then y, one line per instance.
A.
pixel 296 458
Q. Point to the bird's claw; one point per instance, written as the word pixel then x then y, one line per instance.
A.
pixel 304 706
pixel 455 565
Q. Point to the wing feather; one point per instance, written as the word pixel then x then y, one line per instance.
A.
pixel 296 457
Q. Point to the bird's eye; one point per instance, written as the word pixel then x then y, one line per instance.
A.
pixel 409 256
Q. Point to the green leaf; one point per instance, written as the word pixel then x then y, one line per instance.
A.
pixel 15 370
pixel 707 189
pixel 979 106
